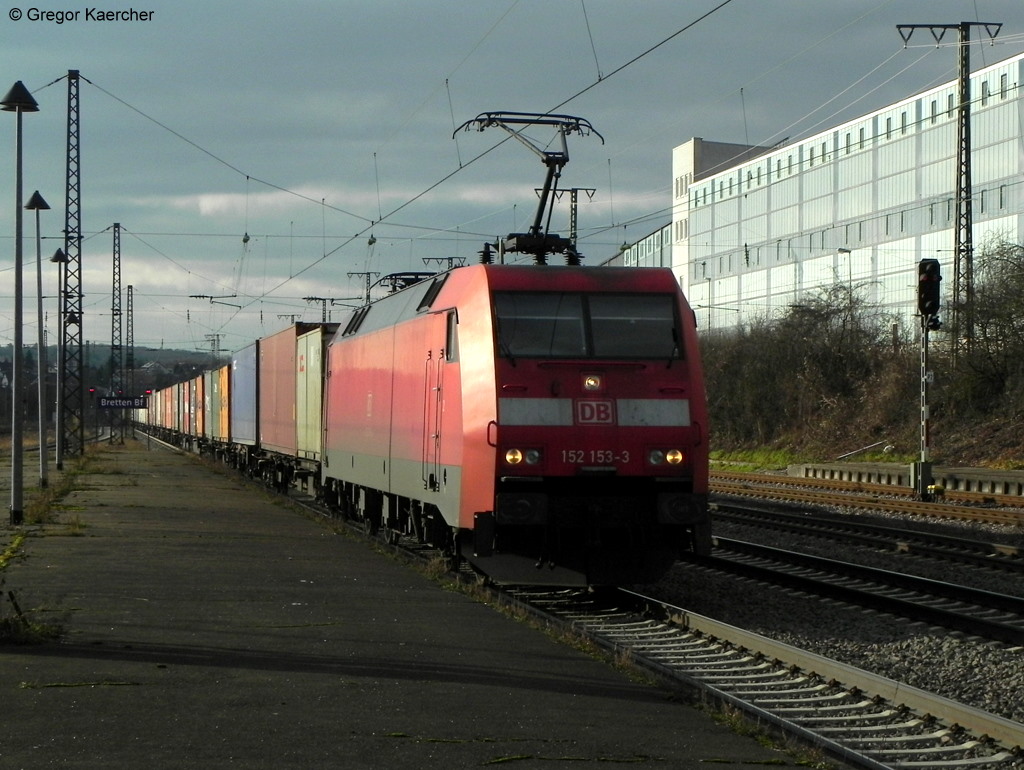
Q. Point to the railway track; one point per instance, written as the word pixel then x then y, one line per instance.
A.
pixel 980 613
pixel 994 553
pixel 977 507
pixel 863 719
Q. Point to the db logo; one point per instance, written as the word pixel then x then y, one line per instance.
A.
pixel 595 413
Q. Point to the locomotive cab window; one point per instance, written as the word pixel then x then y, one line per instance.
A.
pixel 633 326
pixel 540 325
pixel 575 325
pixel 451 348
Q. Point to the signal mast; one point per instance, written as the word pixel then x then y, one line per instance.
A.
pixel 929 295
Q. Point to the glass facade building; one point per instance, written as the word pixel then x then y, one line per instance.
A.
pixel 655 250
pixel 860 203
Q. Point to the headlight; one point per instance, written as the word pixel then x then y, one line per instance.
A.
pixel 517 456
pixel 592 382
pixel 670 456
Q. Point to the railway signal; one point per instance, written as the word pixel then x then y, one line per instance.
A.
pixel 929 279
pixel 929 283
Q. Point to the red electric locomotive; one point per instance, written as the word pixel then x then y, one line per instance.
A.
pixel 547 424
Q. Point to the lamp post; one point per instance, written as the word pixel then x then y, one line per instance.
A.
pixel 37 203
pixel 17 100
pixel 849 265
pixel 61 259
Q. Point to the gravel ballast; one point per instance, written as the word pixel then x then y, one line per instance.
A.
pixel 981 674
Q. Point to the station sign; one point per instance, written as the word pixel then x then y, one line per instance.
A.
pixel 122 402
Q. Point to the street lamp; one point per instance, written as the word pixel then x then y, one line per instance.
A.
pixel 842 252
pixel 37 203
pixel 17 100
pixel 61 260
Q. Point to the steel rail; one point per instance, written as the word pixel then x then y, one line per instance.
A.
pixel 987 553
pixel 974 498
pixel 873 502
pixel 864 719
pixel 874 589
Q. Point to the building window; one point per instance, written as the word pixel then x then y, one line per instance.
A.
pixel 984 92
pixel 935 111
pixel 1002 196
pixel 950 105
pixel 861 138
pixel 888 128
pixel 1002 86
pixel 811 162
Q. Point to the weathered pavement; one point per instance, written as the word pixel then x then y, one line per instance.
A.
pixel 208 625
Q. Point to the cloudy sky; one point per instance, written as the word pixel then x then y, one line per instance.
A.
pixel 318 126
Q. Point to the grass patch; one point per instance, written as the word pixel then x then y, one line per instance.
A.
pixel 41 511
pixel 43 502
pixel 769 460
pixel 100 683
pixel 751 460
pixel 18 628
pixel 11 551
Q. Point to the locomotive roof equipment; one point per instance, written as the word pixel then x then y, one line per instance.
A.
pixel 538 241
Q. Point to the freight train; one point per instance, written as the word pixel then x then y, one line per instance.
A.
pixel 546 425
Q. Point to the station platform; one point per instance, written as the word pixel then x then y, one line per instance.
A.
pixel 985 480
pixel 206 623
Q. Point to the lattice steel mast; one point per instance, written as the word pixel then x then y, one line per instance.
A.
pixel 116 349
pixel 963 243
pixel 71 409
pixel 129 343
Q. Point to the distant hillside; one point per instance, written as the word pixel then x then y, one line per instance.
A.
pixel 97 355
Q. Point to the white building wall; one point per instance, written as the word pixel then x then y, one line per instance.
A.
pixel 754 229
